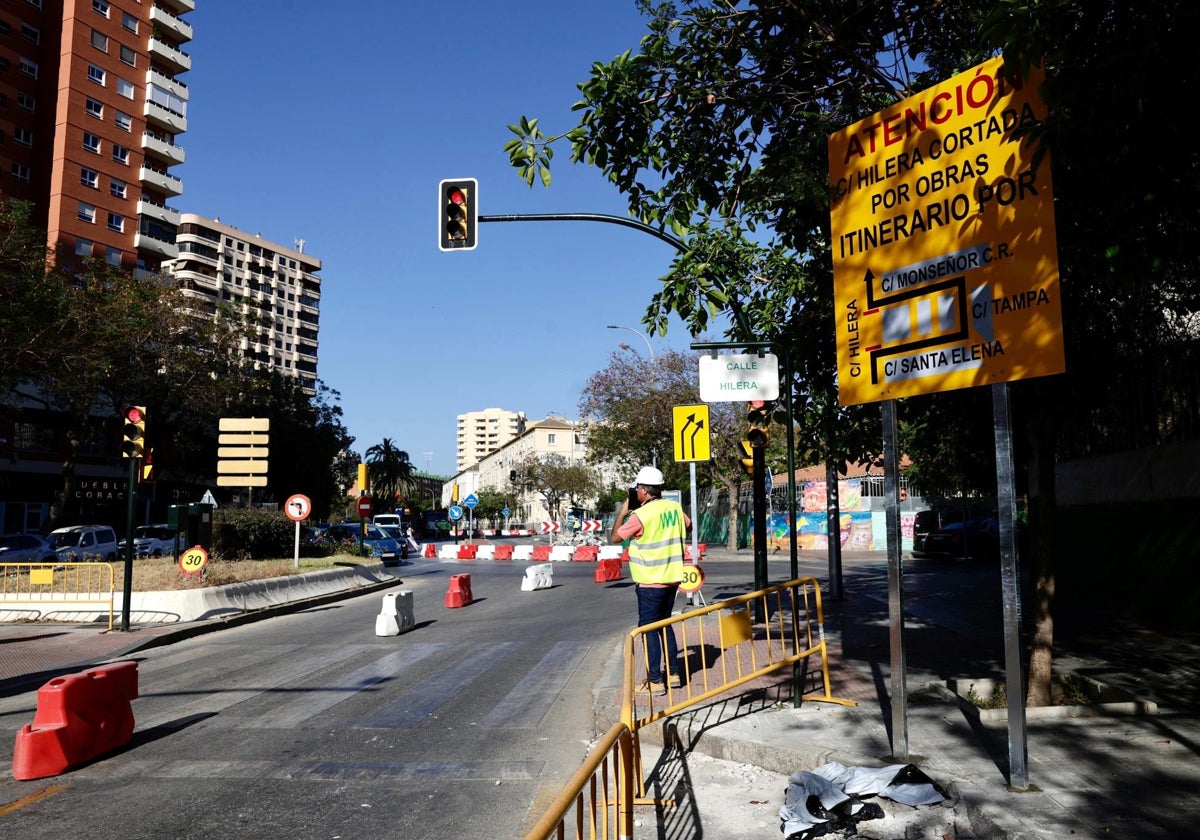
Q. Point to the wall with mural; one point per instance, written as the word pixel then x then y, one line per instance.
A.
pixel 860 528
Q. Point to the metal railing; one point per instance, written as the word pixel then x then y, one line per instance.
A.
pixel 721 647
pixel 597 802
pixel 25 584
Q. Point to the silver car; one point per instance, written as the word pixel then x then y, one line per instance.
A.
pixel 25 548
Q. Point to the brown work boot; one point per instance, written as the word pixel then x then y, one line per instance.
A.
pixel 674 679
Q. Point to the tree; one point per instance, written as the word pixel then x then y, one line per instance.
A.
pixel 558 481
pixel 718 128
pixel 391 473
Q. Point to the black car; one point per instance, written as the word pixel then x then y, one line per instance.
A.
pixel 975 538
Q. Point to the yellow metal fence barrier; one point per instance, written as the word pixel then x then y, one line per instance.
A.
pixel 721 647
pixel 24 584
pixel 597 802
pixel 726 645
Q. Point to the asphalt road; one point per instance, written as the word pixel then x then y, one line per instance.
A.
pixel 308 725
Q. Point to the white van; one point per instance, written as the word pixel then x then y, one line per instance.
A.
pixel 84 543
pixel 386 519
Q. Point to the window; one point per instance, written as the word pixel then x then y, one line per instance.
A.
pixel 120 154
pixel 86 213
pixel 117 188
pixel 91 142
pixel 128 56
pixel 3 64
pixel 89 177
pixel 5 29
pixel 23 137
pixel 100 7
pixel 125 88
pixel 550 438
pixel 96 74
pixel 26 102
pixel 31 33
pixel 116 222
pixel 37 4
pixel 20 172
pixel 112 255
pixel 124 121
pixel 99 40
pixel 28 67
pixel 129 21
pixel 94 108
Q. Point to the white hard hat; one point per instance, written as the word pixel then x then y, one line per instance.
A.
pixel 650 476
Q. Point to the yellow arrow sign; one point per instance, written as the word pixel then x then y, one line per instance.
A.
pixel 692 433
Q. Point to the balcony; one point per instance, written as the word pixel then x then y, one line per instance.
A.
pixel 165 118
pixel 178 6
pixel 146 242
pixel 160 180
pixel 161 212
pixel 177 60
pixel 160 17
pixel 166 152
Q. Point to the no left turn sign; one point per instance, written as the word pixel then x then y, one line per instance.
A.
pixel 297 507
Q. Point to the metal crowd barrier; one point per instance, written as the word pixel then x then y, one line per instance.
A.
pixel 24 584
pixel 721 647
pixel 725 645
pixel 597 802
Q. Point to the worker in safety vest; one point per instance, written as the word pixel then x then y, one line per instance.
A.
pixel 657 532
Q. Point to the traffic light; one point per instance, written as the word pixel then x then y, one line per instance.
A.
pixel 458 208
pixel 759 413
pixel 748 458
pixel 134 431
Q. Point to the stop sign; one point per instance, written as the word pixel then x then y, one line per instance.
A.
pixel 364 506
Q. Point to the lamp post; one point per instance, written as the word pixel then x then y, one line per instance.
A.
pixel 635 332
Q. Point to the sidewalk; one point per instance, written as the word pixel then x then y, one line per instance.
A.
pixel 1103 776
pixel 1112 776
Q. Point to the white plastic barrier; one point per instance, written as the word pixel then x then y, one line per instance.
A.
pixel 485 552
pixel 522 552
pixel 540 576
pixel 396 615
pixel 562 553
pixel 447 551
pixel 610 552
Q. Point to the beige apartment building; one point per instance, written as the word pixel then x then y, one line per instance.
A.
pixel 277 285
pixel 482 432
pixel 91 110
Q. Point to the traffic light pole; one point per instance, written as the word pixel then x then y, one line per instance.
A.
pixel 127 589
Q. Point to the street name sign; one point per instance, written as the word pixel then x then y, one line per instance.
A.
pixel 739 377
pixel 945 263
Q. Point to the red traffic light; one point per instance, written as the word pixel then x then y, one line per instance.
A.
pixel 458 213
pixel 134 414
pixel 456 196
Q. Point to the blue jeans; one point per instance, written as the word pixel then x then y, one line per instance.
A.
pixel 654 604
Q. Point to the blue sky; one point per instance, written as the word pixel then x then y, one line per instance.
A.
pixel 336 128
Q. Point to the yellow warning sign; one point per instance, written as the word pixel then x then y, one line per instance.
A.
pixel 945 262
pixel 691 433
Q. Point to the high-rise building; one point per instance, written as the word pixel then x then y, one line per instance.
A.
pixel 483 432
pixel 91 110
pixel 276 287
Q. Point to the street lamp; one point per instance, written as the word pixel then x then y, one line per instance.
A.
pixel 636 332
pixel 653 455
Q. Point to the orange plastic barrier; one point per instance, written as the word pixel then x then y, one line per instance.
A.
pixel 430 550
pixel 541 552
pixel 586 554
pixel 607 570
pixel 79 716
pixel 459 593
pixel 467 551
pixel 503 552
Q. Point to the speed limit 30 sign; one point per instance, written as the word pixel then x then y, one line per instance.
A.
pixel 693 579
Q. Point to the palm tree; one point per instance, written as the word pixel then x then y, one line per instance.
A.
pixel 390 472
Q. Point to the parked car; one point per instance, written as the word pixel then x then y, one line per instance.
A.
pixel 398 534
pixel 25 548
pixel 926 522
pixel 84 543
pixel 151 541
pixel 378 543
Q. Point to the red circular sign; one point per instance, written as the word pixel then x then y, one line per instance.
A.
pixel 364 506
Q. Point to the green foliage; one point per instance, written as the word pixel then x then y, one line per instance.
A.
pixel 252 534
pixel 560 483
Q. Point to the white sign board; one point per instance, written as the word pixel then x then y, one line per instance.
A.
pixel 739 377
